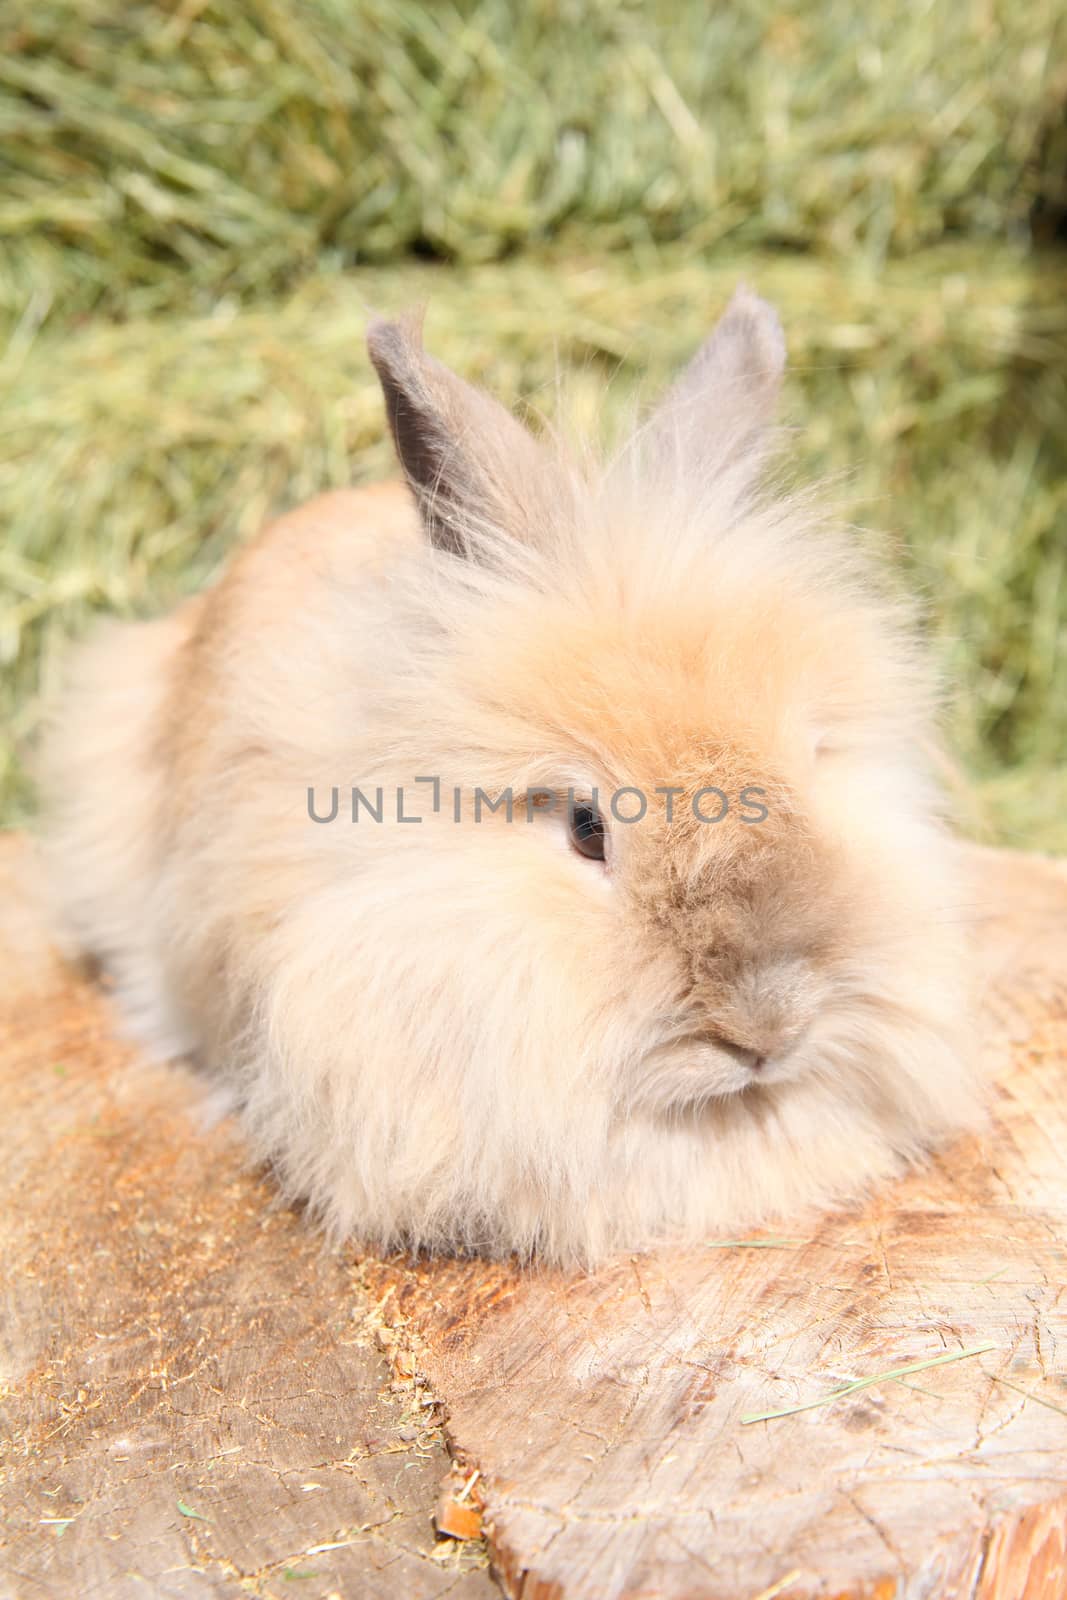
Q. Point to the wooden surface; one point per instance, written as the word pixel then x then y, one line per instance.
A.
pixel 171 1338
pixel 171 1335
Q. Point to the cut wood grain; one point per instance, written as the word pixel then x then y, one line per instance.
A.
pixel 606 1413
pixel 194 1400
pixel 172 1334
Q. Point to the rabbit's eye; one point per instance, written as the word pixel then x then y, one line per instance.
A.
pixel 587 832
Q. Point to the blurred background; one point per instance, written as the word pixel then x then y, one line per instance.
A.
pixel 200 200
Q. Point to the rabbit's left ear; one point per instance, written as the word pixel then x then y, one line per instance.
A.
pixel 717 414
pixel 475 471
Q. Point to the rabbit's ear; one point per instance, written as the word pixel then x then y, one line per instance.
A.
pixel 717 414
pixel 474 469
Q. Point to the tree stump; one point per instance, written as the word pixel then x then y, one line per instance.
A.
pixel 199 1400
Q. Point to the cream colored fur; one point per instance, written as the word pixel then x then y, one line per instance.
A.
pixel 466 1035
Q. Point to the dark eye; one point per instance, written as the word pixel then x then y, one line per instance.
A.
pixel 587 832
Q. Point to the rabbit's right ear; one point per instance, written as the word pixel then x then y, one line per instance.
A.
pixel 475 471
pixel 716 416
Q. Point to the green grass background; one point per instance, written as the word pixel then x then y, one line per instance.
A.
pixel 200 201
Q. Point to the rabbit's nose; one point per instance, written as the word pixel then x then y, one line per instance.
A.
pixel 754 1048
pixel 753 1060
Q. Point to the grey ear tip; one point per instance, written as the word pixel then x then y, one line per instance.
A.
pixel 383 336
pixel 392 338
pixel 762 322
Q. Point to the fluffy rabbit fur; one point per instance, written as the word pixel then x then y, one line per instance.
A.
pixel 464 1034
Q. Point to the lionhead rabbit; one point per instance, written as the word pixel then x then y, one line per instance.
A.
pixel 701 969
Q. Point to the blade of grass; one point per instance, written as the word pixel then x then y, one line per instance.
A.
pixel 865 1383
pixel 1029 1394
pixel 754 1244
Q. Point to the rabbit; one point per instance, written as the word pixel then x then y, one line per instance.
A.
pixel 276 818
